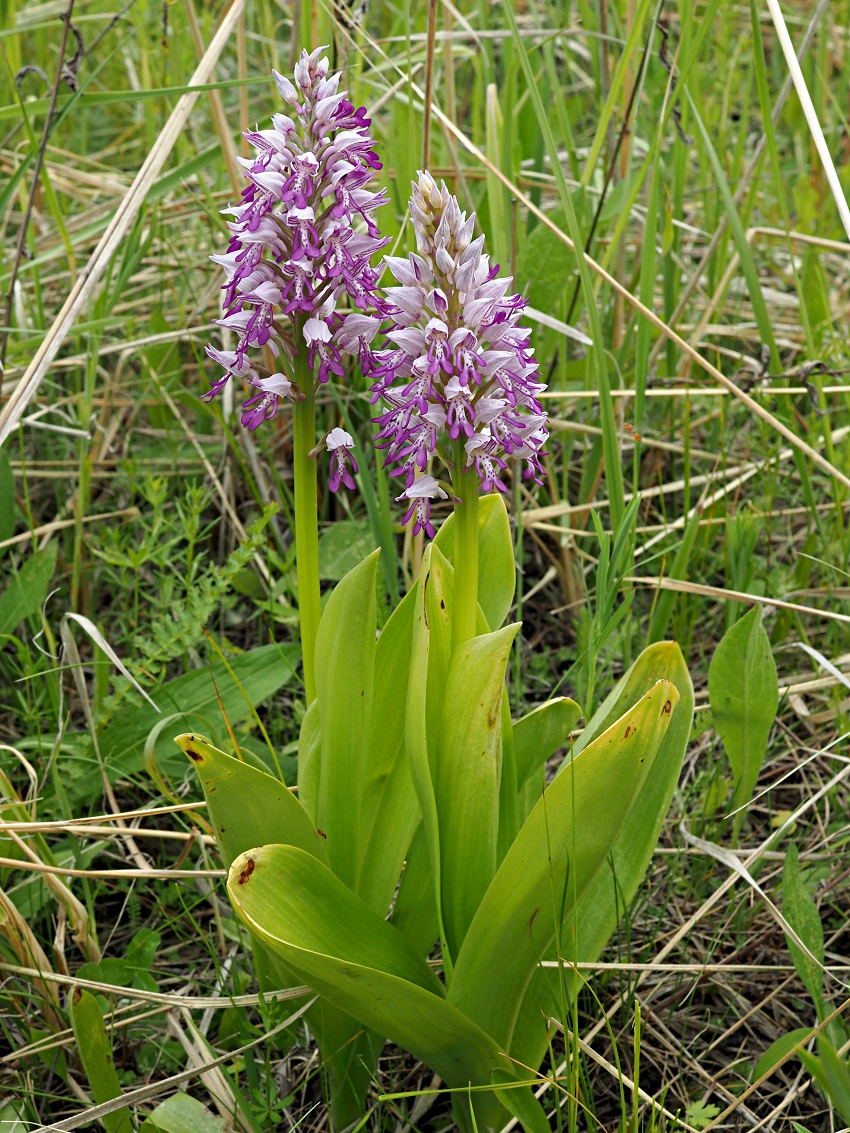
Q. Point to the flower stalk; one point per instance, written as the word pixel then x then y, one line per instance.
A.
pixel 306 511
pixel 298 267
pixel 465 609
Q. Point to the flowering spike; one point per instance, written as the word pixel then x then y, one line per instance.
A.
pixel 457 366
pixel 302 239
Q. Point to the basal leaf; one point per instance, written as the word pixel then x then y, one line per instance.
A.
pixel 389 809
pixel 564 843
pixel 356 959
pixel 415 909
pixel 467 777
pixel 613 887
pixel 345 663
pixel 537 736
pixel 310 760
pixel 429 664
pixel 744 694
pixel 247 807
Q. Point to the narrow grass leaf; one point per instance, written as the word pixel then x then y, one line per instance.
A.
pixel 610 440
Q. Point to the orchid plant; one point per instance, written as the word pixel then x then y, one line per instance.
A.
pixel 424 824
pixel 302 237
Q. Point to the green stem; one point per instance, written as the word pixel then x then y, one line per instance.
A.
pixel 465 612
pixel 306 514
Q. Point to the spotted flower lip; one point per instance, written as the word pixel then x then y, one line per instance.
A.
pixel 457 366
pixel 302 240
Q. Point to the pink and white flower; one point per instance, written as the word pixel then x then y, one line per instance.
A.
pixel 457 364
pixel 302 243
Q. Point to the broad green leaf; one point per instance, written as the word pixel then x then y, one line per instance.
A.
pixel 467 778
pixel 497 576
pixel 831 1074
pixel 777 1051
pixel 615 884
pixel 389 809
pixel 95 1051
pixel 802 914
pixel 415 909
pixel 356 959
pixel 181 1113
pixel 261 672
pixel 343 546
pixel 744 693
pixel 345 664
pixel 564 843
pixel 27 589
pixel 539 734
pixel 429 664
pixel 310 760
pixel 509 820
pixel 245 806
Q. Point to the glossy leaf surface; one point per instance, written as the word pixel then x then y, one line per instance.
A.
pixel 467 777
pixel 359 961
pixel 247 806
pixel 610 892
pixel 564 843
pixel 345 663
pixel 429 664
pixel 539 734
pixel 390 809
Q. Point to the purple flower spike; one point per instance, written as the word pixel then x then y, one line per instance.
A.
pixel 457 365
pixel 302 240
